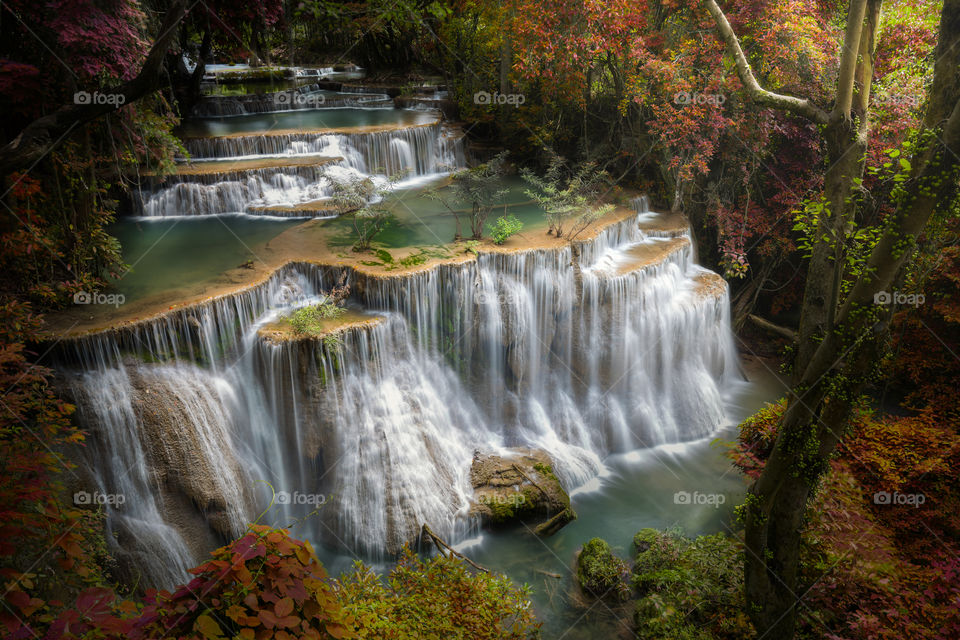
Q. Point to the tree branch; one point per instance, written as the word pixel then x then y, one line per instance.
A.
pixel 765 324
pixel 42 135
pixel 798 106
pixel 848 61
pixel 441 545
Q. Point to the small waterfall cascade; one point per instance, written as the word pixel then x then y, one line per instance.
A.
pixel 367 435
pixel 304 97
pixel 640 204
pixel 290 173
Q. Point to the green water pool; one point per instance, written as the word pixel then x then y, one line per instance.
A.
pixel 166 254
pixel 336 118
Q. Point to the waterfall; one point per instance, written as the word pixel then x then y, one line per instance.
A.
pixel 376 428
pixel 407 152
pixel 363 151
pixel 159 436
pixel 640 204
pixel 226 106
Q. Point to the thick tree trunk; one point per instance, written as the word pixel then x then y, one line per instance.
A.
pixel 845 137
pixel 838 366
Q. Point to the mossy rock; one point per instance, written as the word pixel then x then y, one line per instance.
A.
pixel 688 586
pixel 600 573
pixel 519 488
pixel 645 538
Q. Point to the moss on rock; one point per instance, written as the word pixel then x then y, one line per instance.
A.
pixel 600 573
pixel 519 488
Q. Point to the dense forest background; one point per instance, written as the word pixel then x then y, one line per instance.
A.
pixel 653 92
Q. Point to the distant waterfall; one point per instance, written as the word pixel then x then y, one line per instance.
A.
pixel 631 350
pixel 407 152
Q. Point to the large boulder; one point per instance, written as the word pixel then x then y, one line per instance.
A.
pixel 519 486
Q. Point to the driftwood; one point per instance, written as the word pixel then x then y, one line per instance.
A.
pixel 786 332
pixel 549 574
pixel 441 545
pixel 555 523
pixel 530 480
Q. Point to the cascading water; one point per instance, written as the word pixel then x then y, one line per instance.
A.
pixel 408 152
pixel 628 348
pixel 305 97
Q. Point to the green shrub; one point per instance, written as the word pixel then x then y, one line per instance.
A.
pixel 504 227
pixel 689 589
pixel 309 320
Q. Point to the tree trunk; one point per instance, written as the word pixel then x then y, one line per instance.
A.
pixel 838 366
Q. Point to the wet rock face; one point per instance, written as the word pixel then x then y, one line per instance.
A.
pixel 519 488
pixel 193 463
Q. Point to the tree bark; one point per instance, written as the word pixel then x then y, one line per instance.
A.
pixel 44 134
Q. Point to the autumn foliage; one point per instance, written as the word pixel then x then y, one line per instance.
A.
pixel 878 560
pixel 269 585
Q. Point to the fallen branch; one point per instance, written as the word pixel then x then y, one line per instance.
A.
pixel 786 332
pixel 437 540
pixel 555 523
pixel 549 574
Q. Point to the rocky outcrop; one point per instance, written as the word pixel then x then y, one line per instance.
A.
pixel 600 573
pixel 197 463
pixel 519 487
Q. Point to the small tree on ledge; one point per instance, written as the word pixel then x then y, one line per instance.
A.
pixel 480 187
pixel 361 196
pixel 569 201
